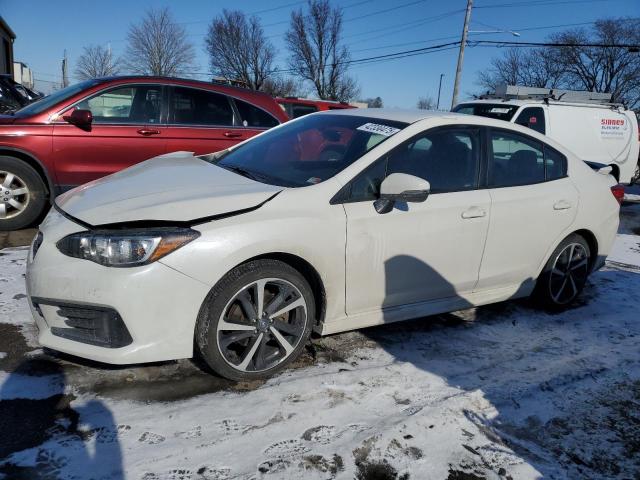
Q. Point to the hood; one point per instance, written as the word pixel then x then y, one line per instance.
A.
pixel 7 119
pixel 176 187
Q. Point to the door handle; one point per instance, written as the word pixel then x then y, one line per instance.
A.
pixel 232 134
pixel 148 132
pixel 474 212
pixel 562 205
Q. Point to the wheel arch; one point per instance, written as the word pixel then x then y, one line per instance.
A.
pixel 585 233
pixel 33 162
pixel 592 241
pixel 309 272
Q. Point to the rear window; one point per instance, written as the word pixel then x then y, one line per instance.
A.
pixel 499 111
pixel 254 117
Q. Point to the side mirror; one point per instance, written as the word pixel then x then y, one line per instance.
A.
pixel 401 187
pixel 80 118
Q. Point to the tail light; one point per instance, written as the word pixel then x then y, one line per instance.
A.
pixel 618 192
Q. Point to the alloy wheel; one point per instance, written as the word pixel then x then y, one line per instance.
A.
pixel 14 195
pixel 262 325
pixel 569 273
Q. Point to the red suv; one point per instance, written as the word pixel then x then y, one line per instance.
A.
pixel 100 126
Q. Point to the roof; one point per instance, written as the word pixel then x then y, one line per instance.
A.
pixel 181 79
pixel 393 114
pixel 534 101
pixel 5 26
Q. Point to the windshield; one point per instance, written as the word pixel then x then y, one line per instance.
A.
pixel 308 151
pixel 499 111
pixel 56 97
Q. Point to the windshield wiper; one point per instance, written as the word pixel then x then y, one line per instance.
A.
pixel 241 171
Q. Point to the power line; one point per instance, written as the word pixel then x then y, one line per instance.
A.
pixel 417 42
pixel 537 3
pixel 552 44
pixel 403 26
pixel 386 10
pixel 350 5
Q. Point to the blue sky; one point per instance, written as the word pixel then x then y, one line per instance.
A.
pixel 46 28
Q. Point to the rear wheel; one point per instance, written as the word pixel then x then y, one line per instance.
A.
pixel 636 174
pixel 565 274
pixel 23 194
pixel 256 320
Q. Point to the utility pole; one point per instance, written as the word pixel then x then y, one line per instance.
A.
pixel 65 65
pixel 439 90
pixel 463 42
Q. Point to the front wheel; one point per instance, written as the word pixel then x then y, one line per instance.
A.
pixel 565 274
pixel 23 195
pixel 256 320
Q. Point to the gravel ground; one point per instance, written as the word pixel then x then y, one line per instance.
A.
pixel 503 391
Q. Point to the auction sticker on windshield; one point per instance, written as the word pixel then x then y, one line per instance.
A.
pixel 385 130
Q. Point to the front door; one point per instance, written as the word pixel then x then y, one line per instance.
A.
pixel 419 251
pixel 126 129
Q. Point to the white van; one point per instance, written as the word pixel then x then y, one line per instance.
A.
pixel 587 123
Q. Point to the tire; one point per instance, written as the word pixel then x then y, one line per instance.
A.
pixel 251 347
pixel 636 175
pixel 564 277
pixel 23 195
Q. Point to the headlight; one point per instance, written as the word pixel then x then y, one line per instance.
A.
pixel 127 248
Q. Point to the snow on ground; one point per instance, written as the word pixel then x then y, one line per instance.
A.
pixel 494 392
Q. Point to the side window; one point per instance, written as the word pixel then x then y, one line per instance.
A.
pixel 130 104
pixel 448 158
pixel 366 186
pixel 555 164
pixel 302 110
pixel 516 160
pixel 200 107
pixel 532 117
pixel 254 116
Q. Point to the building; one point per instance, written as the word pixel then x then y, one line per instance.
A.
pixel 6 49
pixel 23 75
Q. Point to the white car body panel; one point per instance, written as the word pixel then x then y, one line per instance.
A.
pixel 392 258
pixel 536 221
pixel 348 245
pixel 176 187
pixel 148 294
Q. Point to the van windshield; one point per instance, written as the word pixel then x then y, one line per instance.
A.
pixel 499 111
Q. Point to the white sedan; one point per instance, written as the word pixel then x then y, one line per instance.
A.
pixel 335 221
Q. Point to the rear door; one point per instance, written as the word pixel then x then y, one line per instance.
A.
pixel 127 128
pixel 202 121
pixel 533 203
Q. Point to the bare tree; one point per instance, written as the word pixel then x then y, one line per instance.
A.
pixel 279 86
pixel 317 53
pixel 610 69
pixel 614 70
pixel 95 62
pixel 372 102
pixel 238 49
pixel 426 103
pixel 158 46
pixel 533 68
